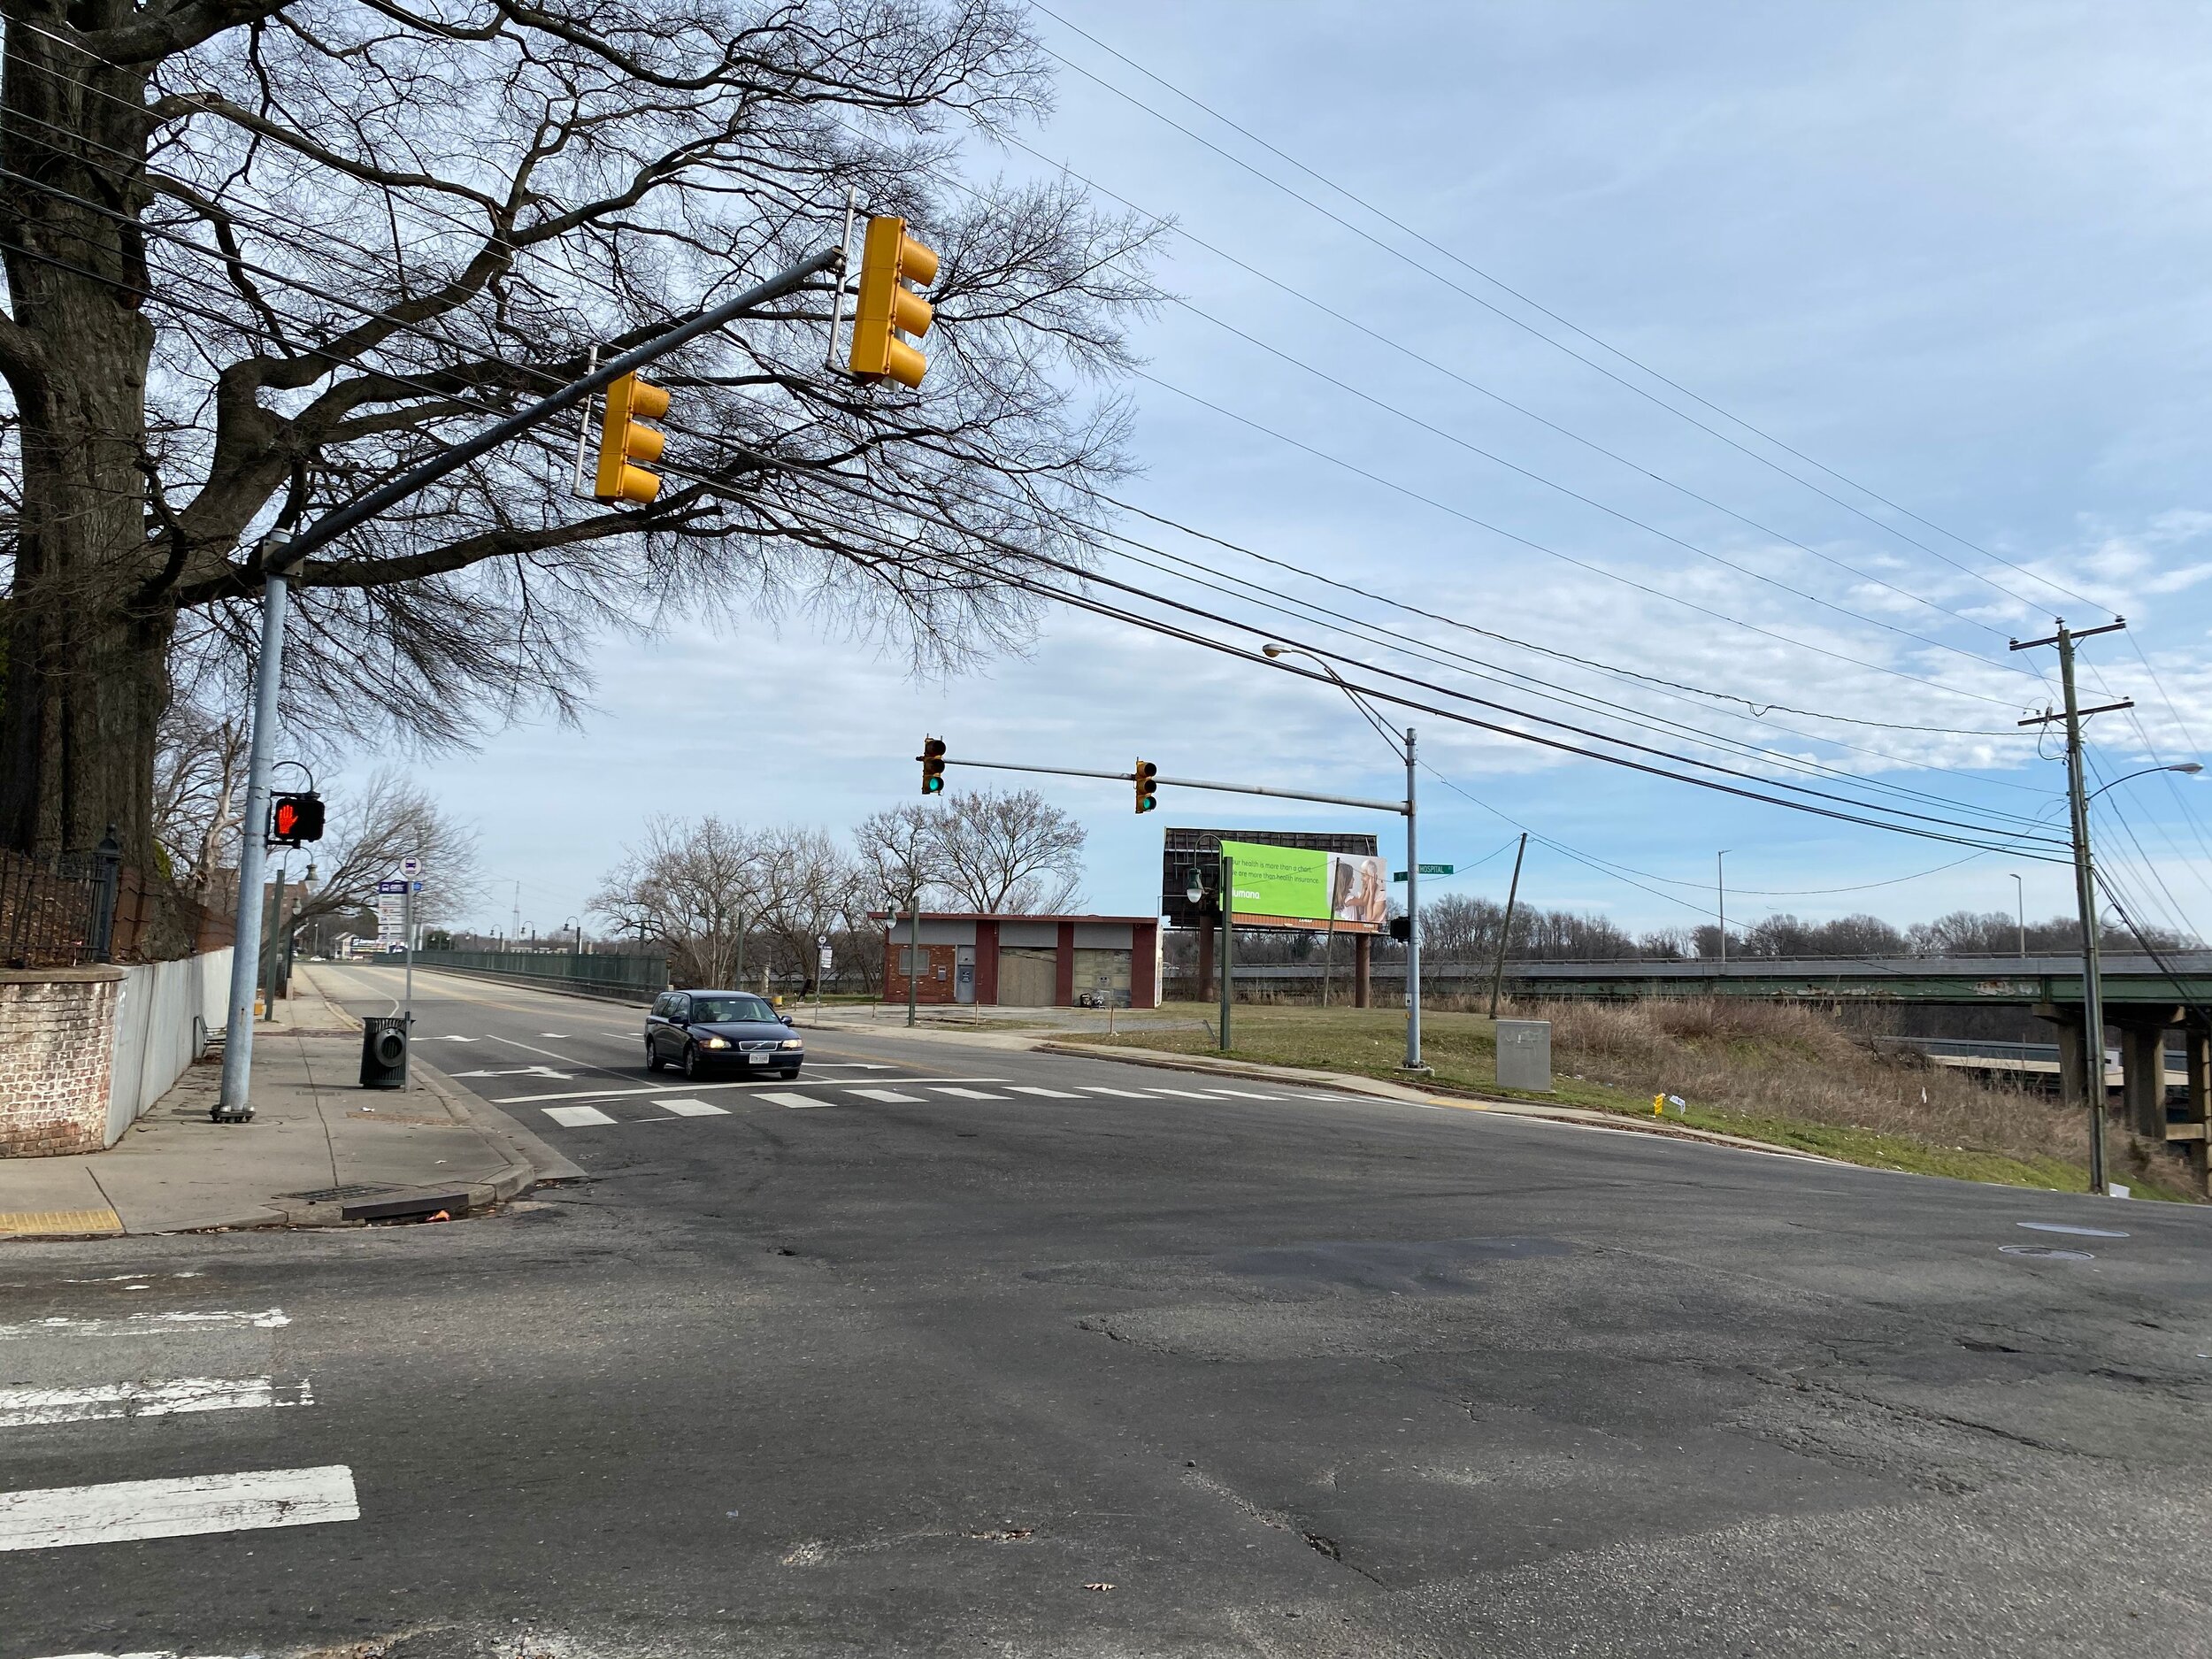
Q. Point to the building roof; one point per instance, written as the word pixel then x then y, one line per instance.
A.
pixel 1010 915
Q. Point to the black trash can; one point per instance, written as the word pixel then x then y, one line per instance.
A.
pixel 384 1051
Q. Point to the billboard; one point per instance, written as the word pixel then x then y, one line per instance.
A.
pixel 1184 850
pixel 1294 885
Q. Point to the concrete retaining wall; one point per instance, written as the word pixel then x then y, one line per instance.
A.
pixel 161 1027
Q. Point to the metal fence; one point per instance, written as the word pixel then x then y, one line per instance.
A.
pixel 58 912
pixel 631 977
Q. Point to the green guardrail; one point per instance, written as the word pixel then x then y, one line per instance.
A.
pixel 639 977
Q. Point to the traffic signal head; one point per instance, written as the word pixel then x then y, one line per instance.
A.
pixel 1402 928
pixel 1148 786
pixel 933 759
pixel 295 818
pixel 625 438
pixel 886 307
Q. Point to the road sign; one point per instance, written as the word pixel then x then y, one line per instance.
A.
pixel 410 867
pixel 1426 870
pixel 823 970
pixel 391 887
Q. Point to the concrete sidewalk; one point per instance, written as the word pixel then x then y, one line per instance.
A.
pixel 317 1143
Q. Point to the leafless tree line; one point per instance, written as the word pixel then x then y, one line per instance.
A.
pixel 726 902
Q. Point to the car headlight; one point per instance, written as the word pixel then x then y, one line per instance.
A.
pixel 716 1043
pixel 793 1042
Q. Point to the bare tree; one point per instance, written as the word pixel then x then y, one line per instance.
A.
pixel 261 255
pixel 810 886
pixel 1010 852
pixel 199 794
pixel 376 826
pixel 694 888
pixel 899 850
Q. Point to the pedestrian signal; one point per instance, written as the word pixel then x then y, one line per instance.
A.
pixel 886 308
pixel 933 759
pixel 625 438
pixel 1402 928
pixel 1148 786
pixel 294 819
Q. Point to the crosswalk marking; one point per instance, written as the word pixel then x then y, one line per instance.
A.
pixel 889 1096
pixel 1049 1094
pixel 792 1101
pixel 1187 1094
pixel 89 1402
pixel 54 1518
pixel 968 1093
pixel 1243 1094
pixel 1125 1094
pixel 693 1107
pixel 577 1117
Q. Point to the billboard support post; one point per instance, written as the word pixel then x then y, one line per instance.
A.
pixel 1228 941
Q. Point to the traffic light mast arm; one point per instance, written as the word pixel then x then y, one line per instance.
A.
pixel 1399 807
pixel 336 522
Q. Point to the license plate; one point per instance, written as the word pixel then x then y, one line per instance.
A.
pixel 755 1059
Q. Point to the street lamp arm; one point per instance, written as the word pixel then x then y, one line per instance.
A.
pixel 2189 767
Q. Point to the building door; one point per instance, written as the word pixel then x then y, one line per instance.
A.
pixel 1028 976
pixel 1103 977
pixel 964 973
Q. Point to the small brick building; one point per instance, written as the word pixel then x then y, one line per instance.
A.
pixel 1025 961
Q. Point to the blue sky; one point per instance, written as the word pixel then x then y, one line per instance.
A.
pixel 1954 253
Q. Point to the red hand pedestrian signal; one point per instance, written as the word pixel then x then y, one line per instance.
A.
pixel 294 819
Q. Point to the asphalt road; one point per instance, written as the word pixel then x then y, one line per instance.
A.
pixel 1100 1370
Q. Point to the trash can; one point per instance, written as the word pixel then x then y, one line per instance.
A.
pixel 384 1051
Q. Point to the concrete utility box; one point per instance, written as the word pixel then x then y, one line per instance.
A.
pixel 1525 1055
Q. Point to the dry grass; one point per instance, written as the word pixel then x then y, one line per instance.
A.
pixel 1770 1071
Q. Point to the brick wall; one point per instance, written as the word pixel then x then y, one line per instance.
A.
pixel 56 1045
pixel 937 969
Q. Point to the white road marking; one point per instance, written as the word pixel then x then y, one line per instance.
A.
pixel 144 1324
pixel 693 1107
pixel 692 1088
pixel 1125 1094
pixel 1187 1094
pixel 562 1035
pixel 92 1402
pixel 452 1039
pixel 967 1094
pixel 55 1517
pixel 795 1101
pixel 577 1117
pixel 545 1071
pixel 1243 1094
pixel 1049 1094
pixel 889 1096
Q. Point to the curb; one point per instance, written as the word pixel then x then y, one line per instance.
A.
pixel 1377 1088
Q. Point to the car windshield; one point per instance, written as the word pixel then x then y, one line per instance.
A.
pixel 714 1009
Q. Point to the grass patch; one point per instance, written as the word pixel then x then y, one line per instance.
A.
pixel 1784 1075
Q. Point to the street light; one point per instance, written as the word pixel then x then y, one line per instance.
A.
pixel 2020 911
pixel 576 927
pixel 1720 888
pixel 1413 866
pixel 2188 766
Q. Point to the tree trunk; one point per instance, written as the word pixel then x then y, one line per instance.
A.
pixel 86 648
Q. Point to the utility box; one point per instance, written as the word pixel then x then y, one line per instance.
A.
pixel 384 1051
pixel 1525 1055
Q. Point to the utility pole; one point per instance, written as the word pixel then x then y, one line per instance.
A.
pixel 2020 912
pixel 1505 932
pixel 1720 888
pixel 913 955
pixel 1413 923
pixel 2084 876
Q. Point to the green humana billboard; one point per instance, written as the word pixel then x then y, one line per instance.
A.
pixel 1300 887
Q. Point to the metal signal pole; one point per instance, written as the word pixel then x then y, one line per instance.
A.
pixel 2084 878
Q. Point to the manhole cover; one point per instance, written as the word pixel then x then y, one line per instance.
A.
pixel 331 1194
pixel 2062 1226
pixel 2049 1253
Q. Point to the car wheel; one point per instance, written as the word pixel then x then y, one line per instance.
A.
pixel 652 1058
pixel 694 1067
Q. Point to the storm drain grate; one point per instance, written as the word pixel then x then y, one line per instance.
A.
pixel 331 1194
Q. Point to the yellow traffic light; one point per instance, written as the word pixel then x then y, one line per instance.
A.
pixel 1148 786
pixel 886 307
pixel 933 759
pixel 625 438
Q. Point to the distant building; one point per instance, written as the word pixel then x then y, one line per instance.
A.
pixel 1025 961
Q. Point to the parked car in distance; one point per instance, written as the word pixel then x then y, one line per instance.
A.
pixel 713 1031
